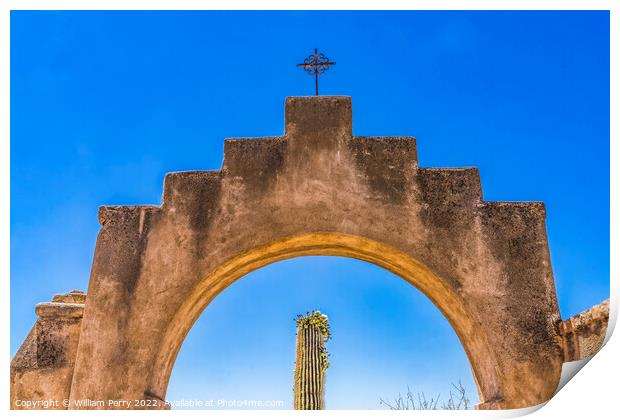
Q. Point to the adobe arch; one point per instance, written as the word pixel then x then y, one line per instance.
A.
pixel 483 361
pixel 319 190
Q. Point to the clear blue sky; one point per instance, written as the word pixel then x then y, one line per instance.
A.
pixel 103 104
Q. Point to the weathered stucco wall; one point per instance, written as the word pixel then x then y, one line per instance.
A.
pixel 42 369
pixel 319 190
pixel 583 334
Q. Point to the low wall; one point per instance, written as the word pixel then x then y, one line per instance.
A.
pixel 42 369
pixel 583 335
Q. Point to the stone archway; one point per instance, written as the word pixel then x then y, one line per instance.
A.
pixel 482 359
pixel 319 190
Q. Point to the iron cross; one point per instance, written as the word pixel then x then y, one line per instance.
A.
pixel 315 65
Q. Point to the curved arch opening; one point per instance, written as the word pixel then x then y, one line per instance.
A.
pixel 468 330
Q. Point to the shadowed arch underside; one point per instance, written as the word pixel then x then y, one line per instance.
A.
pixel 319 190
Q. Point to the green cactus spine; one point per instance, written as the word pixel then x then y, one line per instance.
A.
pixel 311 361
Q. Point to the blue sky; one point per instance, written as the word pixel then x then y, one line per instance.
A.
pixel 103 104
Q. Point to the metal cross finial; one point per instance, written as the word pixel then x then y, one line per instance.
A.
pixel 315 65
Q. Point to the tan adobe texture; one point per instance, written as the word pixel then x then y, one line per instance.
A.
pixel 316 190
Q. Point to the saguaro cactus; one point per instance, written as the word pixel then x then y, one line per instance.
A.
pixel 311 361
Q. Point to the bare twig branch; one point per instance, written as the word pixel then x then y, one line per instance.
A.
pixel 457 400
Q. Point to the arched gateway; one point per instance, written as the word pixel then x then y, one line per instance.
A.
pixel 317 190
